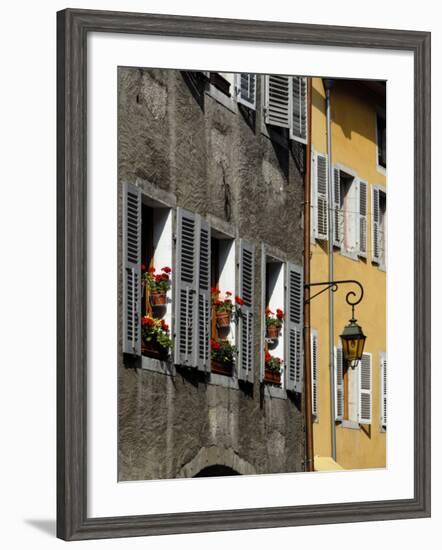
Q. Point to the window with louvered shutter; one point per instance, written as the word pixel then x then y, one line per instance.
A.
pixel 186 276
pixel 131 270
pixel 278 99
pixel 245 84
pixel 365 389
pixel 363 209
pixel 383 361
pixel 314 367
pixel 245 326
pixel 204 304
pixel 294 371
pixel 298 128
pixel 375 224
pixel 338 217
pixel 321 177
pixel 339 384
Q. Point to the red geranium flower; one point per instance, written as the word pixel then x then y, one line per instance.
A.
pixel 164 325
pixel 267 357
pixel 239 300
pixel 148 321
pixel 214 290
pixel 151 270
pixel 279 313
pixel 215 344
pixel 166 269
pixel 218 302
pixel 158 278
pixel 228 293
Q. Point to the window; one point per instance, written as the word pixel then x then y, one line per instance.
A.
pixel 381 140
pixel 383 404
pixel 245 88
pixel 379 226
pixel 353 389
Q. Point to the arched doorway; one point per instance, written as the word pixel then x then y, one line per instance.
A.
pixel 217 470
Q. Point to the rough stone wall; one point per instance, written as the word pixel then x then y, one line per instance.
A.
pixel 215 162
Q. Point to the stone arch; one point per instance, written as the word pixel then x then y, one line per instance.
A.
pixel 214 456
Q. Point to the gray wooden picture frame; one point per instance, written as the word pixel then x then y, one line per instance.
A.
pixel 73 27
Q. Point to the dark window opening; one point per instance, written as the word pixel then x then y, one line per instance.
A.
pixel 381 140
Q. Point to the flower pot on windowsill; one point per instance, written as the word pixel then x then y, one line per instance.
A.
pixel 272 377
pixel 273 331
pixel 218 367
pixel 158 298
pixel 223 319
pixel 154 350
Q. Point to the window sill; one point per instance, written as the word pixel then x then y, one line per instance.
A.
pixel 350 255
pixel 274 392
pixel 227 101
pixel 350 424
pixel 224 381
pixel 156 365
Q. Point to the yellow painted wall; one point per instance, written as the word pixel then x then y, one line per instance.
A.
pixel 353 146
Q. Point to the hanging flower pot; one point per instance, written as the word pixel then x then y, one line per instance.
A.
pixel 158 298
pixel 222 319
pixel 273 331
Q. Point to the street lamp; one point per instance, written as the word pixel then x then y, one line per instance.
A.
pixel 353 340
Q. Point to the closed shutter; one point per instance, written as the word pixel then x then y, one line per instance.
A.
pixel 131 270
pixel 339 384
pixel 204 304
pixel 338 215
pixel 246 324
pixel 363 209
pixel 383 390
pixel 314 354
pixel 293 325
pixel 278 99
pixel 245 86
pixel 375 224
pixel 365 385
pixel 186 276
pixel 298 129
pixel 321 197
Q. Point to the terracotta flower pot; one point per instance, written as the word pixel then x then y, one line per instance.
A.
pixel 273 331
pixel 223 319
pixel 158 298
pixel 218 367
pixel 272 377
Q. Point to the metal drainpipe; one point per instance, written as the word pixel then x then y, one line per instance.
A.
pixel 309 456
pixel 328 84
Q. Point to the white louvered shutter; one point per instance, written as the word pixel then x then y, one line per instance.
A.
pixel 204 302
pixel 314 365
pixel 298 128
pixel 321 197
pixel 384 390
pixel 278 100
pixel 294 371
pixel 375 224
pixel 245 86
pixel 186 277
pixel 131 270
pixel 338 215
pixel 339 384
pixel 365 389
pixel 246 324
pixel 313 197
pixel 363 209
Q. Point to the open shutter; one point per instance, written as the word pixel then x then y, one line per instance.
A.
pixel 298 128
pixel 245 326
pixel 338 218
pixel 383 390
pixel 186 288
pixel 363 209
pixel 365 385
pixel 314 355
pixel 293 325
pixel 278 100
pixel 313 197
pixel 204 306
pixel 245 86
pixel 131 270
pixel 321 197
pixel 375 225
pixel 339 384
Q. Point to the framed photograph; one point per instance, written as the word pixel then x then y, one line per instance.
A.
pixel 236 348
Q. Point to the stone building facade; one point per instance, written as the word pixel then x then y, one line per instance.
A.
pixel 210 189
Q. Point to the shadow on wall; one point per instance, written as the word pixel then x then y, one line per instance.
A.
pixel 217 470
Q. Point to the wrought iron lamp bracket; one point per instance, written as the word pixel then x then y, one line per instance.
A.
pixel 351 297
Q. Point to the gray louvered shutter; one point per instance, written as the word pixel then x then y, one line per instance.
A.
pixel 298 128
pixel 338 217
pixel 186 277
pixel 131 270
pixel 365 389
pixel 278 99
pixel 204 305
pixel 321 174
pixel 314 366
pixel 363 208
pixel 375 224
pixel 383 358
pixel 245 86
pixel 339 384
pixel 245 326
pixel 294 372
